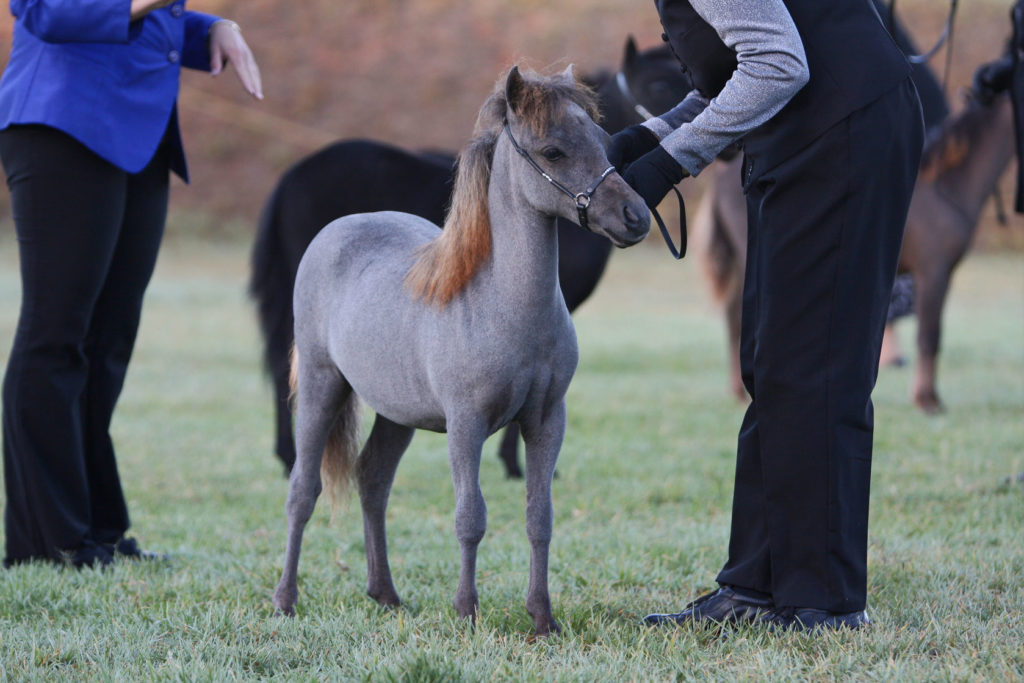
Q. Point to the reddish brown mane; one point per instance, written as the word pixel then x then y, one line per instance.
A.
pixel 446 265
pixel 947 148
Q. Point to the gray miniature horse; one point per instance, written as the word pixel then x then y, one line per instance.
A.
pixel 460 331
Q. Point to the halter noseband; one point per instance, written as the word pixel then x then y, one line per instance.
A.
pixel 582 199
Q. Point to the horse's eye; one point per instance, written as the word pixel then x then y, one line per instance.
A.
pixel 552 153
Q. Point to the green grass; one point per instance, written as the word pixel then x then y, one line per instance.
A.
pixel 642 511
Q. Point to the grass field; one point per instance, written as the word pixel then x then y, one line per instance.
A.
pixel 642 511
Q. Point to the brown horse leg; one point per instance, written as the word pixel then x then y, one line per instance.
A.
pixel 733 308
pixel 892 352
pixel 932 288
pixel 375 472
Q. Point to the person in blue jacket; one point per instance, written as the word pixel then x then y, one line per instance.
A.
pixel 88 137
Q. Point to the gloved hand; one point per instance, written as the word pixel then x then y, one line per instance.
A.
pixel 630 144
pixel 653 175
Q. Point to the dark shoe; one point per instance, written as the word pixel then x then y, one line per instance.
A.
pixel 807 619
pixel 724 605
pixel 129 548
pixel 89 554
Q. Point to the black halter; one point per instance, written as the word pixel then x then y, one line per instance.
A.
pixel 582 199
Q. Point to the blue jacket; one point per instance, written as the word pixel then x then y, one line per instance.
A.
pixel 82 67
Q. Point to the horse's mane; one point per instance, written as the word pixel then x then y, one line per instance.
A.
pixel 947 147
pixel 447 264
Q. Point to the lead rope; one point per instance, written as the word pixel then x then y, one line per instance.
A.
pixel 947 35
pixel 681 251
pixel 644 113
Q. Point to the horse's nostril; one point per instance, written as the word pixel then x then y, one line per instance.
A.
pixel 631 219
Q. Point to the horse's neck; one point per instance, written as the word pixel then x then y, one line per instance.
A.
pixel 524 245
pixel 990 150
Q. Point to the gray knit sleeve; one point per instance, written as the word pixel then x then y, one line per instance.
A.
pixel 771 69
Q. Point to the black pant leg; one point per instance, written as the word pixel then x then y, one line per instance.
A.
pixel 827 226
pixel 111 338
pixel 68 207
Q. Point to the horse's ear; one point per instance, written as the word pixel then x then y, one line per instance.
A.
pixel 569 76
pixel 514 87
pixel 630 53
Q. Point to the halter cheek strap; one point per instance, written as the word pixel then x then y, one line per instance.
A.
pixel 582 199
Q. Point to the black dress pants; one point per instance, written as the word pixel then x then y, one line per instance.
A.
pixel 88 235
pixel 825 230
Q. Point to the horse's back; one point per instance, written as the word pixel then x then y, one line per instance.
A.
pixel 381 243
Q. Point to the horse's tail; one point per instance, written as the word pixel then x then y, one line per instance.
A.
pixel 716 253
pixel 271 281
pixel 342 449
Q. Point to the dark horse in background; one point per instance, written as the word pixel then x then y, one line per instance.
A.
pixel 363 176
pixel 963 160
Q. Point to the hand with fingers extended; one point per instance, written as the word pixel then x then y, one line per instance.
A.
pixel 227 46
pixel 653 175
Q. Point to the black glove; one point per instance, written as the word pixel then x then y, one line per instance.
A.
pixel 630 144
pixel 653 175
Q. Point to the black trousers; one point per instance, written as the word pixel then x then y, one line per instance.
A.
pixel 825 230
pixel 88 236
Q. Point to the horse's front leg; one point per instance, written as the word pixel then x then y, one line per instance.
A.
pixel 465 442
pixel 543 442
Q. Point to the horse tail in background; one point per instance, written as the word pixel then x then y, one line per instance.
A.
pixel 342 449
pixel 716 252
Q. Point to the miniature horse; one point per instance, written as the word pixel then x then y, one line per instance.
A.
pixel 460 331
pixel 357 176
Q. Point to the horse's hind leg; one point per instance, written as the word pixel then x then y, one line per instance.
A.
pixel 931 288
pixel 375 472
pixel 465 441
pixel 319 398
pixel 543 443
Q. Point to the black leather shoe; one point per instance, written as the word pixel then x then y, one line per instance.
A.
pixel 129 548
pixel 89 554
pixel 718 607
pixel 807 619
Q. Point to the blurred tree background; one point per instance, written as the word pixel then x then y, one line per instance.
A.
pixel 415 72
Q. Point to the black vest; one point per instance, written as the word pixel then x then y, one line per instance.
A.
pixel 851 58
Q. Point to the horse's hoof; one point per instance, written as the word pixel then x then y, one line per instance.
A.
pixel 284 605
pixel 929 404
pixel 384 599
pixel 550 629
